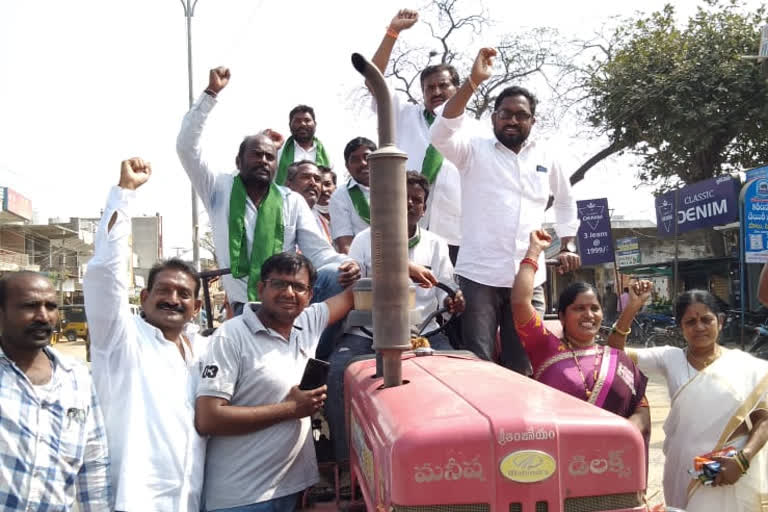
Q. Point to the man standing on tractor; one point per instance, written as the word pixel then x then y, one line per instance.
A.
pixel 438 84
pixel 506 182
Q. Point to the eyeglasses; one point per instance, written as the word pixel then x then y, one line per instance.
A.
pixel 520 116
pixel 282 284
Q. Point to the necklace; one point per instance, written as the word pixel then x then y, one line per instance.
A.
pixel 703 362
pixel 599 351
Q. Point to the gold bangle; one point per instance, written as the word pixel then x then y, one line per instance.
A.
pixel 616 329
pixel 472 84
pixel 740 464
pixel 391 33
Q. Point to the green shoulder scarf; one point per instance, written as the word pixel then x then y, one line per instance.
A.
pixel 267 236
pixel 286 159
pixel 359 202
pixel 433 160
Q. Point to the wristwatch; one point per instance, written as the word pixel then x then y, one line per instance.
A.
pixel 570 246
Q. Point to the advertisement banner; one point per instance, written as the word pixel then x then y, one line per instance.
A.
pixel 594 235
pixel 712 202
pixel 756 221
pixel 627 251
pixel 17 204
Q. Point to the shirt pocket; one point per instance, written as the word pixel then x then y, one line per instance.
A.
pixel 72 416
pixel 537 182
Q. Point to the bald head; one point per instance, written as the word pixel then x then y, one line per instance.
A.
pixel 14 281
pixel 28 311
pixel 256 160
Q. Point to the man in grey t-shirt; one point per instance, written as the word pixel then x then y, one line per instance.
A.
pixel 260 454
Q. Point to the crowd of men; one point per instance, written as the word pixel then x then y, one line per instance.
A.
pixel 165 415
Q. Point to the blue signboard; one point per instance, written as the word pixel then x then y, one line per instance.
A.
pixel 712 202
pixel 594 235
pixel 756 221
pixel 757 172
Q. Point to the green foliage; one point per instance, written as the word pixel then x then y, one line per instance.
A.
pixel 682 96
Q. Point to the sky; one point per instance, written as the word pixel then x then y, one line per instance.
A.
pixel 88 83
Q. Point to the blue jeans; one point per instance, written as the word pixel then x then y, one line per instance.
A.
pixel 351 346
pixel 326 286
pixel 488 310
pixel 281 504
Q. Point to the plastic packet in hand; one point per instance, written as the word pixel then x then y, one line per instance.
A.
pixel 705 468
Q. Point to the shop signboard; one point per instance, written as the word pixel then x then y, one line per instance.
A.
pixel 627 251
pixel 712 202
pixel 594 235
pixel 755 230
pixel 757 172
pixel 16 204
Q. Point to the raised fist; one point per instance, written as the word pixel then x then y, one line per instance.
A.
pixel 640 292
pixel 540 240
pixel 218 78
pixel 275 137
pixel 482 69
pixel 134 172
pixel 403 20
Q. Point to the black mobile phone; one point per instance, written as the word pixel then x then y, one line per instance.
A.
pixel 315 374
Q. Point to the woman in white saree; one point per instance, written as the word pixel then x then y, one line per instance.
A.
pixel 719 399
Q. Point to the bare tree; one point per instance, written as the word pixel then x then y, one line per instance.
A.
pixel 520 55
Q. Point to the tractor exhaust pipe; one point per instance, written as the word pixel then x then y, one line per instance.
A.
pixel 389 234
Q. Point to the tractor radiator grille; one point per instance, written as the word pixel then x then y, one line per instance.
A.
pixel 515 507
pixel 542 506
pixel 475 507
pixel 602 503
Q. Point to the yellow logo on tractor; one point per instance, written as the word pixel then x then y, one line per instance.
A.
pixel 527 466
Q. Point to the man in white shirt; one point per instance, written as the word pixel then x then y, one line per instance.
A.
pixel 145 369
pixel 302 144
pixel 350 204
pixel 438 84
pixel 261 454
pixel 305 179
pixel 427 251
pixel 253 218
pixel 506 183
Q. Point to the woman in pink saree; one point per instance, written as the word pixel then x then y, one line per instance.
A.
pixel 575 363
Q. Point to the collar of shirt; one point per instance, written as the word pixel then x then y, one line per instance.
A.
pixel 353 182
pixel 57 360
pixel 190 330
pixel 255 325
pixel 312 148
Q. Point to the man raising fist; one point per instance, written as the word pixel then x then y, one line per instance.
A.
pixel 438 84
pixel 506 182
pixel 252 217
pixel 145 369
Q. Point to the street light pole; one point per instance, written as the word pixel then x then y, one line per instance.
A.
pixel 189 11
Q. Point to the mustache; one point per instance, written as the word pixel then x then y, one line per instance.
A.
pixel 178 308
pixel 39 326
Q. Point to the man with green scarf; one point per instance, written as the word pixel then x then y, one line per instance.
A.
pixel 438 84
pixel 302 144
pixel 253 218
pixel 350 204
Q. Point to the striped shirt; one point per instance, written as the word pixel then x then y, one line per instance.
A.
pixel 53 447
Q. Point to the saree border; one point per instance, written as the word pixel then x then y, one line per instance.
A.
pixel 561 357
pixel 749 404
